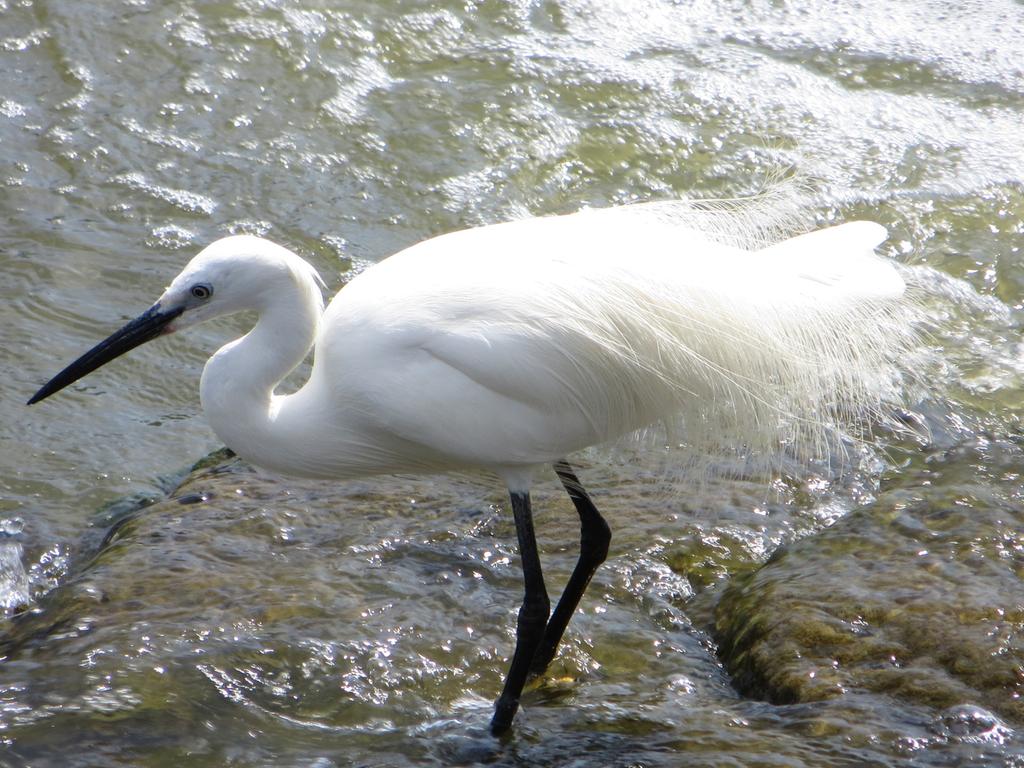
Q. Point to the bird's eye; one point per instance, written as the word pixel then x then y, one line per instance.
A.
pixel 201 291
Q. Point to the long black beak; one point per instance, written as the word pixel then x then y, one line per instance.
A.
pixel 143 328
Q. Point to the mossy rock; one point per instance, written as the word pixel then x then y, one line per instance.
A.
pixel 227 591
pixel 918 596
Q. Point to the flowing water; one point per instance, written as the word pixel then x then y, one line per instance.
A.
pixel 255 620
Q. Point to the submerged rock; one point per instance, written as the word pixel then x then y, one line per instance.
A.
pixel 237 593
pixel 917 596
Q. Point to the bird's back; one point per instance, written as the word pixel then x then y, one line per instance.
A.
pixel 518 343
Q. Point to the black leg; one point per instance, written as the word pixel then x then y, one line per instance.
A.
pixel 595 536
pixel 533 616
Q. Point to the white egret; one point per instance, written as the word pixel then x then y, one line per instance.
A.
pixel 510 346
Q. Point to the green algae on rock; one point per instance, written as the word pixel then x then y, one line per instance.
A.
pixel 916 596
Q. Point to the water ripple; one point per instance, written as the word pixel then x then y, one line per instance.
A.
pixel 190 202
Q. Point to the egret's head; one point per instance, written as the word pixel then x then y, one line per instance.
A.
pixel 230 275
pixel 234 274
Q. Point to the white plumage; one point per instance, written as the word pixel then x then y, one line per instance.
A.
pixel 511 346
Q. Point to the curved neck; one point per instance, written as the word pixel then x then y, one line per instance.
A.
pixel 238 382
